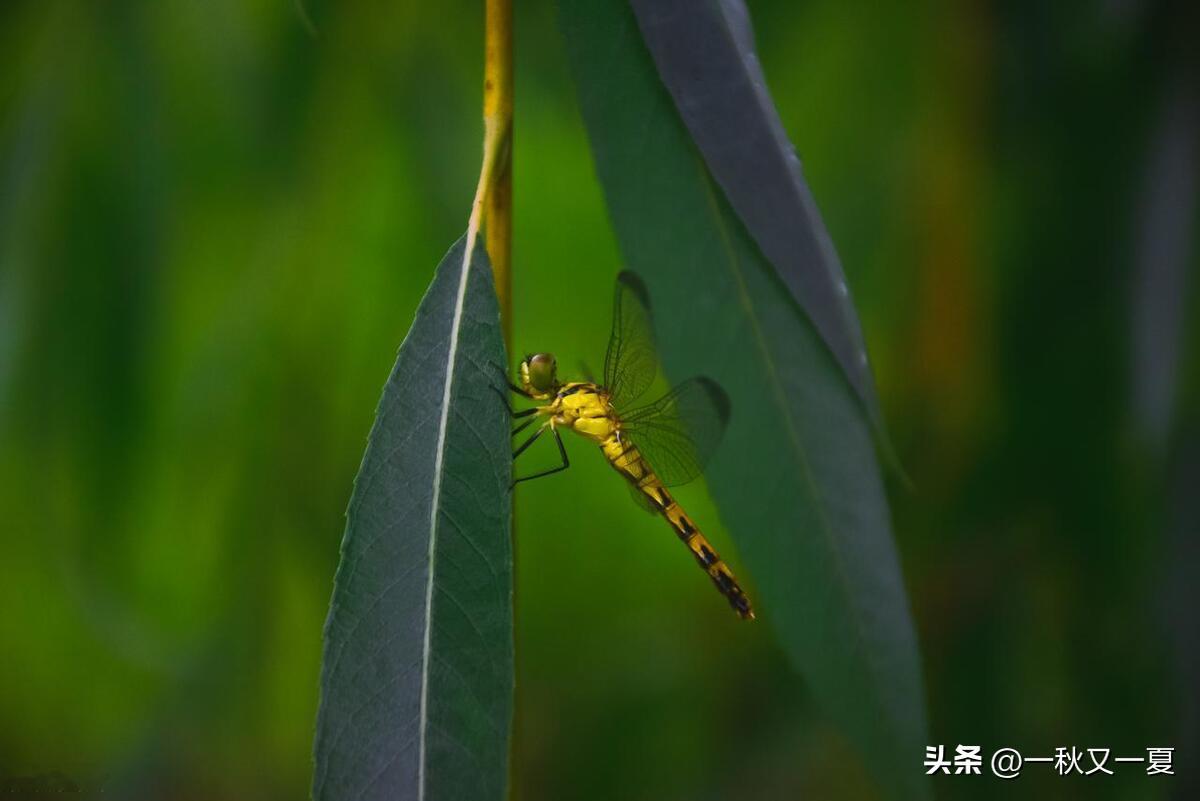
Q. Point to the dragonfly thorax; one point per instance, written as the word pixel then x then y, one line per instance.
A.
pixel 584 408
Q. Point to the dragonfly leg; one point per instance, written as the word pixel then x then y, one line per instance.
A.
pixel 504 399
pixel 562 451
pixel 532 439
pixel 504 373
pixel 524 425
pixel 513 387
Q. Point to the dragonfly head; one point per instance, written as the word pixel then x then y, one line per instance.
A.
pixel 539 375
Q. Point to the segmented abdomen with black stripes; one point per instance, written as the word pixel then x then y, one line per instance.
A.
pixel 627 460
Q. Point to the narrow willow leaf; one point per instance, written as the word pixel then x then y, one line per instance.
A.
pixel 417 679
pixel 705 56
pixel 1166 246
pixel 796 477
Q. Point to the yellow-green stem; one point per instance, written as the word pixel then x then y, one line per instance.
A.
pixel 497 119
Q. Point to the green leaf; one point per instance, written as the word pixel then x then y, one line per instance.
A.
pixel 705 56
pixel 796 478
pixel 417 677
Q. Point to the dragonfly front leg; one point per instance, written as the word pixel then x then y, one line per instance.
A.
pixel 511 411
pixel 509 382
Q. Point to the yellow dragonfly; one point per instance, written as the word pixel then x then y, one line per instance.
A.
pixel 662 444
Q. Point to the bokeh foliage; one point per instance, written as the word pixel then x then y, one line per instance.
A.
pixel 215 228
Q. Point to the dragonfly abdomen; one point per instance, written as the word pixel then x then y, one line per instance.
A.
pixel 628 462
pixel 708 559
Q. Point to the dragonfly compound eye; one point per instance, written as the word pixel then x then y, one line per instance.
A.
pixel 542 372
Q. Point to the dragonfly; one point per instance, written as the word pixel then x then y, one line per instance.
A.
pixel 654 446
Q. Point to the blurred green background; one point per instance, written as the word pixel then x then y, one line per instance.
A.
pixel 216 221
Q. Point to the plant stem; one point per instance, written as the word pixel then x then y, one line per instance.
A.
pixel 497 120
pixel 495 181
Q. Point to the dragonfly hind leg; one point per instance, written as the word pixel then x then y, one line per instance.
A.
pixel 562 452
pixel 524 425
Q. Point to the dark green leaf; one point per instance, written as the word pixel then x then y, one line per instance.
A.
pixel 705 56
pixel 417 679
pixel 796 477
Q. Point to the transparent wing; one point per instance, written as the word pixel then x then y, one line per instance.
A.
pixel 679 432
pixel 631 361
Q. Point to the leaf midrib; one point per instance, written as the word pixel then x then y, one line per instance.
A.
pixel 438 473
